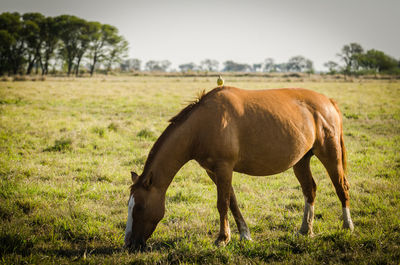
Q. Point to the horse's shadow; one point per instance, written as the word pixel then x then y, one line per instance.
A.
pixel 82 251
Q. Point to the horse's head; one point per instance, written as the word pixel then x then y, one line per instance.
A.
pixel 146 208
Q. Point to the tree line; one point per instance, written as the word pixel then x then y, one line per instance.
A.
pixel 353 60
pixel 295 64
pixel 358 61
pixel 32 42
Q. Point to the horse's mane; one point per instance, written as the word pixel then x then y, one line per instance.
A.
pixel 184 113
pixel 173 123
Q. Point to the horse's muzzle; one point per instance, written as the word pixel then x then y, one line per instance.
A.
pixel 135 245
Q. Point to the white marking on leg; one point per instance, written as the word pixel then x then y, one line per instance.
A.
pixel 308 218
pixel 128 229
pixel 244 231
pixel 347 222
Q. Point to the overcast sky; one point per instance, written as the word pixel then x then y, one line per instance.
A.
pixel 246 31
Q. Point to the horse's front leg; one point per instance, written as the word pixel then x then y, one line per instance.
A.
pixel 223 175
pixel 240 222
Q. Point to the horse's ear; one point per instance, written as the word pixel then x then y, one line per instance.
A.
pixel 148 180
pixel 134 177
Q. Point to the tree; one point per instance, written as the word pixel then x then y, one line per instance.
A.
pixel 50 40
pixel 187 67
pixel 12 42
pixel 130 64
pixel 231 66
pixel 33 27
pixel 256 67
pixel 32 40
pixel 300 64
pixel 102 38
pixel 377 61
pixel 69 31
pixel 332 66
pixel 281 67
pixel 96 45
pixel 309 67
pixel 117 50
pixel 87 30
pixel 6 41
pixel 161 66
pixel 165 64
pixel 152 66
pixel 350 55
pixel 209 65
pixel 269 65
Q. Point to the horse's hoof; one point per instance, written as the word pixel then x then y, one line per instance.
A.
pixel 305 233
pixel 222 241
pixel 245 236
pixel 348 226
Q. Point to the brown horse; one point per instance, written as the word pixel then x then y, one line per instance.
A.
pixel 258 133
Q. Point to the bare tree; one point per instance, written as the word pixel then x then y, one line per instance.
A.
pixel 269 65
pixel 350 55
pixel 209 65
pixel 187 67
pixel 332 66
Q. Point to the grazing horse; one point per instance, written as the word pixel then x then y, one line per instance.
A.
pixel 256 132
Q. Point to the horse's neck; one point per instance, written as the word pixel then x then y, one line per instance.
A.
pixel 173 153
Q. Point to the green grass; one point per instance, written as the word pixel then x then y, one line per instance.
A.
pixel 67 148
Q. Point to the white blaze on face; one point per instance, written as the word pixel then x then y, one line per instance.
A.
pixel 128 229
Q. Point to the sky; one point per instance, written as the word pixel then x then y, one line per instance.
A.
pixel 245 31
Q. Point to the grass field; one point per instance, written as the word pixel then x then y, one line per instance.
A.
pixel 67 148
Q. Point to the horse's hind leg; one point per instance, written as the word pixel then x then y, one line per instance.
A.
pixel 330 155
pixel 303 174
pixel 240 222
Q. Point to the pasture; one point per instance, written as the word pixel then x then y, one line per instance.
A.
pixel 67 147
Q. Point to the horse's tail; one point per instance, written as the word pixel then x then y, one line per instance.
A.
pixel 343 148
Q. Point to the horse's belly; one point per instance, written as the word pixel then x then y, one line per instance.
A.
pixel 264 166
pixel 264 157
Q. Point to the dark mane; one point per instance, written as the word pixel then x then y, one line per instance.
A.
pixel 184 113
pixel 173 123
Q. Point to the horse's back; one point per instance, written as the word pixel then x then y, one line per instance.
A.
pixel 263 131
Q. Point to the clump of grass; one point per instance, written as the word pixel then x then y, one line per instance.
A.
pixel 351 116
pixel 146 133
pixel 113 127
pixel 25 205
pixel 99 130
pixel 60 145
pixel 10 101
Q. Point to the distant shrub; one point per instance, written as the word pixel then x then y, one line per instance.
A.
pixel 60 146
pixel 296 75
pixel 20 78
pixel 38 78
pixel 5 78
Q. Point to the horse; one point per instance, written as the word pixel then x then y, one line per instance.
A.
pixel 255 132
